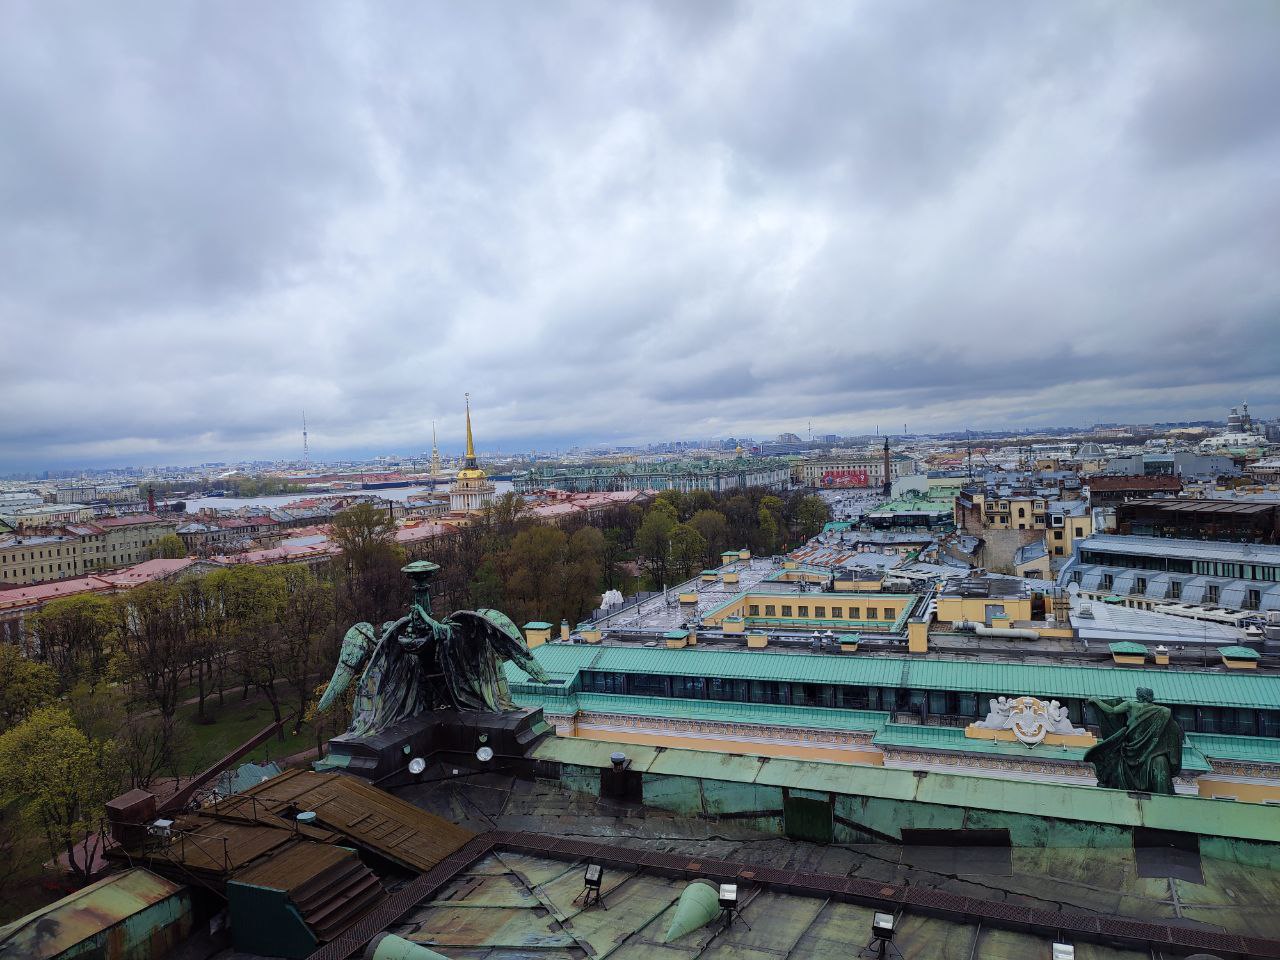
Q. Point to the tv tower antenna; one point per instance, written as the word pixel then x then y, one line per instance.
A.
pixel 306 448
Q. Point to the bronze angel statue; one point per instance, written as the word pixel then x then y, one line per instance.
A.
pixel 421 664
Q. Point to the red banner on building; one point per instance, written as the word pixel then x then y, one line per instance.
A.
pixel 846 478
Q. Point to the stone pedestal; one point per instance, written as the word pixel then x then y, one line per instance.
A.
pixel 447 736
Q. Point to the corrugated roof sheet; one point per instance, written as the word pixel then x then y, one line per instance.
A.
pixel 925 673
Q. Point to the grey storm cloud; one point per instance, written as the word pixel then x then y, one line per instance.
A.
pixel 626 221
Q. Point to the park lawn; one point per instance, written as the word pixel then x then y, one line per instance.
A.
pixel 236 722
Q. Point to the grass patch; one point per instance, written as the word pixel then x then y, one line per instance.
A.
pixel 234 723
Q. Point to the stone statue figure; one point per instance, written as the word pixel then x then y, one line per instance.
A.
pixel 420 664
pixel 1141 746
pixel 999 714
pixel 1060 720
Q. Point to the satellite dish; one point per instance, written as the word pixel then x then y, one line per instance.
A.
pixel 484 754
pixel 417 765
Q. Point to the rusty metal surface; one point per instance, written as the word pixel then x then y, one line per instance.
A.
pixel 916 902
pixel 367 816
pixel 124 908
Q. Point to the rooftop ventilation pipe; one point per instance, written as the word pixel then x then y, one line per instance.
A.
pixel 985 631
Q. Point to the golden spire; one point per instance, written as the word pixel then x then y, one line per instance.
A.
pixel 471 447
pixel 470 468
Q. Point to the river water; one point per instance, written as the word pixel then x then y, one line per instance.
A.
pixel 400 494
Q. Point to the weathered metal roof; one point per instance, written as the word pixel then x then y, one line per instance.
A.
pixel 58 927
pixel 729 711
pixel 1088 804
pixel 1193 687
pixel 1225 746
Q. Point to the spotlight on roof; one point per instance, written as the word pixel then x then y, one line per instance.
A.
pixel 1063 951
pixel 417 765
pixel 882 926
pixel 728 896
pixel 592 879
pixel 484 754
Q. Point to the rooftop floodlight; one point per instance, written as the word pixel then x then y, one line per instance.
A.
pixel 881 943
pixel 728 895
pixel 592 879
pixel 882 926
pixel 1063 951
pixel 417 765
pixel 484 754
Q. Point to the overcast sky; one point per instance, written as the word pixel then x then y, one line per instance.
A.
pixel 626 221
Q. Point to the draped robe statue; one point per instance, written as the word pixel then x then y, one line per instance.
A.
pixel 1141 746
pixel 421 664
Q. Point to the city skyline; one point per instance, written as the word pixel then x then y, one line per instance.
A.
pixel 663 221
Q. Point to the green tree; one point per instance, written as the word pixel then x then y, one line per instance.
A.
pixel 766 532
pixel 25 685
pixel 370 584
pixel 812 514
pixel 714 528
pixel 59 780
pixel 688 549
pixel 486 585
pixel 532 566
pixel 673 499
pixel 73 636
pixel 653 544
pixel 153 633
pixel 306 622
pixel 696 500
pixel 168 547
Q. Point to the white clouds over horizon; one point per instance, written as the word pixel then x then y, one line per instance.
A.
pixel 626 221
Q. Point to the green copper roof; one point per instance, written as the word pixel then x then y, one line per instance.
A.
pixel 1239 653
pixel 1127 648
pixel 1221 688
pixel 1077 802
pixel 537 625
pixel 729 711
pixel 953 740
pixel 1223 746
pixel 676 634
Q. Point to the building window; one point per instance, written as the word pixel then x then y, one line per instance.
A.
pixel 1079 531
pixel 1107 581
pixel 786 610
pixel 853 613
pixel 1252 599
pixel 1057 534
pixel 753 610
pixel 871 613
pixel 890 613
pixel 770 610
pixel 1211 593
pixel 1022 511
pixel 802 611
pixel 1140 585
pixel 820 612
pixel 837 613
pixel 1175 589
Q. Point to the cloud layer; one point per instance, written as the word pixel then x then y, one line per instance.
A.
pixel 626 221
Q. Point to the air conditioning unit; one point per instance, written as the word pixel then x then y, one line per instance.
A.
pixel 161 828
